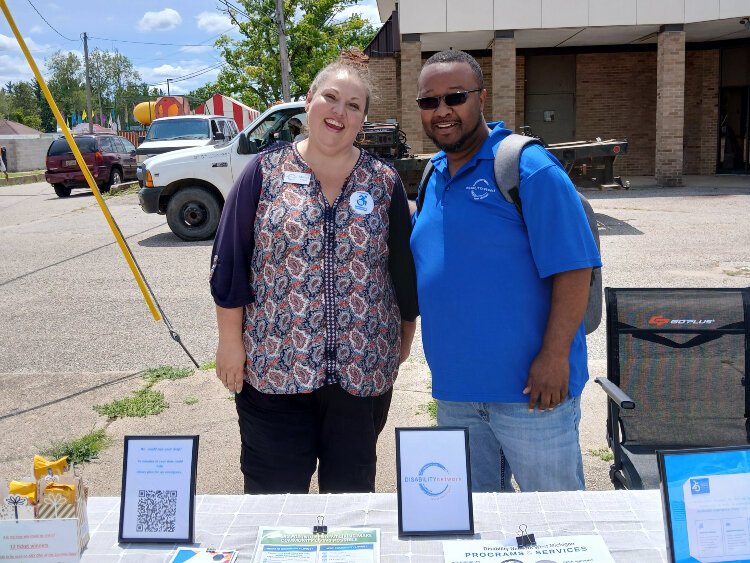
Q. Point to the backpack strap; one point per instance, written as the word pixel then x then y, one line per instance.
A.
pixel 423 184
pixel 507 166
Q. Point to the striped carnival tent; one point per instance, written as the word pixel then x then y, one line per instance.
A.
pixel 229 107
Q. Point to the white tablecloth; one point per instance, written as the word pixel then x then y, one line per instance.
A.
pixel 629 521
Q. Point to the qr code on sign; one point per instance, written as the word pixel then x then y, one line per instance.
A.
pixel 157 511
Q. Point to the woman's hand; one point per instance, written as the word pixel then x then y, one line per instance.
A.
pixel 230 354
pixel 408 328
pixel 230 364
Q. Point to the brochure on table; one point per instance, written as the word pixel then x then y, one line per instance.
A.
pixel 706 499
pixel 203 555
pixel 561 549
pixel 301 545
pixel 54 540
pixel 434 481
pixel 158 489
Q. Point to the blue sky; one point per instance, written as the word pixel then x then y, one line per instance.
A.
pixel 190 26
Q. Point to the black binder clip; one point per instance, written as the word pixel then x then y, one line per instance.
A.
pixel 525 539
pixel 320 528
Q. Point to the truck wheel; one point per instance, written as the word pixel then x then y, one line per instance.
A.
pixel 193 214
pixel 61 190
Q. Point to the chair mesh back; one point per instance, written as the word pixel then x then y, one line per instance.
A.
pixel 681 356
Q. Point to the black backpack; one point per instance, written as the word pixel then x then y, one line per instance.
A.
pixel 507 179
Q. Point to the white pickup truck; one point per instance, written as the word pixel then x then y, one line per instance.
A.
pixel 190 185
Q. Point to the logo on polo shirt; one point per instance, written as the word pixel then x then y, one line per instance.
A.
pixel 481 189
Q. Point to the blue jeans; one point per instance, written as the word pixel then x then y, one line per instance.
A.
pixel 540 449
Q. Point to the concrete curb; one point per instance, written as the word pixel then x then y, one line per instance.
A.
pixel 18 180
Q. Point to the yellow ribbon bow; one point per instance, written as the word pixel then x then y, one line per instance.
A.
pixel 68 491
pixel 27 490
pixel 44 467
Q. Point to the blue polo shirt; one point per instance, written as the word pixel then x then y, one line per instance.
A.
pixel 484 273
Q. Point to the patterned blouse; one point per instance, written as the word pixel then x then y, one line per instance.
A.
pixel 324 287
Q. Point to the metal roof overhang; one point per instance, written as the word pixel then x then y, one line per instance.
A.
pixel 629 35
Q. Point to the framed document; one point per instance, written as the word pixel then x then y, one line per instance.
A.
pixel 434 481
pixel 157 501
pixel 706 499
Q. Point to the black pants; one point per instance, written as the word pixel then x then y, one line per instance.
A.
pixel 284 437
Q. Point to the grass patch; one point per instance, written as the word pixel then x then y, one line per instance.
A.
pixel 605 454
pixel 81 449
pixel 743 271
pixel 27 173
pixel 145 402
pixel 190 401
pixel 208 365
pixel 430 408
pixel 166 373
pixel 130 190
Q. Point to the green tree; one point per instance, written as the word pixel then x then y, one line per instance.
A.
pixel 66 82
pixel 317 34
pixel 47 118
pixel 203 93
pixel 23 104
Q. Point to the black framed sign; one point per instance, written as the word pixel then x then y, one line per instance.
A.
pixel 434 481
pixel 157 501
pixel 706 503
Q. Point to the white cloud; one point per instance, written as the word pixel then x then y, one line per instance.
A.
pixel 9 44
pixel 14 68
pixel 36 29
pixel 369 11
pixel 200 49
pixel 160 21
pixel 213 22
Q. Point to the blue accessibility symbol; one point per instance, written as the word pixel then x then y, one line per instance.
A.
pixel 700 486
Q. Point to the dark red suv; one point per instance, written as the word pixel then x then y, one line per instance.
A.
pixel 111 160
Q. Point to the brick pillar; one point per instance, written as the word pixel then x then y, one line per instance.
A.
pixel 503 103
pixel 670 105
pixel 709 111
pixel 411 64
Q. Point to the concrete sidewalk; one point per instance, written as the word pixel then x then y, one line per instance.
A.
pixel 52 334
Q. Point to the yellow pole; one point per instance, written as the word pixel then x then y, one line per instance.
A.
pixel 85 169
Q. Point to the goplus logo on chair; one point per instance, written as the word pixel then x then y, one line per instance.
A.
pixel 658 320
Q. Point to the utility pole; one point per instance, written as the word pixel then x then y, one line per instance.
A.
pixel 168 79
pixel 88 82
pixel 283 51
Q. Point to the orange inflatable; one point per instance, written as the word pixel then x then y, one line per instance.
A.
pixel 169 106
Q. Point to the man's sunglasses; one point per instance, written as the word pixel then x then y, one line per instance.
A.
pixel 452 99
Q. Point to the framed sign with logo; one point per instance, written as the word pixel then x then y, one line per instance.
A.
pixel 158 489
pixel 706 503
pixel 434 481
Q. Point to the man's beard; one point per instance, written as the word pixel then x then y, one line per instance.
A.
pixel 458 145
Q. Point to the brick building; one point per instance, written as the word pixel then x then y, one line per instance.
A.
pixel 671 76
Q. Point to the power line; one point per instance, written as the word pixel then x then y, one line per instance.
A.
pixel 148 43
pixel 190 75
pixel 49 24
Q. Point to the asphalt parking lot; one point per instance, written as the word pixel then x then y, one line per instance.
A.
pixel 74 329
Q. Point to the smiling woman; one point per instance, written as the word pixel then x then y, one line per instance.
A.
pixel 313 344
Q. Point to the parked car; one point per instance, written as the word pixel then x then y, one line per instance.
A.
pixel 168 134
pixel 110 159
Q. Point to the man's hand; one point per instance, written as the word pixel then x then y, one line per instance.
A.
pixel 408 328
pixel 548 380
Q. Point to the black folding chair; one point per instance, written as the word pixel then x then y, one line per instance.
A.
pixel 677 363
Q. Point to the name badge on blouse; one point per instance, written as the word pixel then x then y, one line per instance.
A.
pixel 297 178
pixel 361 203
